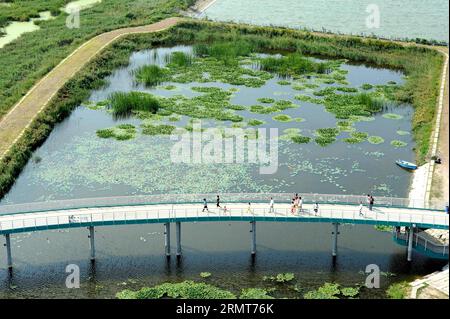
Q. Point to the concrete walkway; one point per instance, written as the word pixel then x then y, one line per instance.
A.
pixel 329 213
pixel 14 124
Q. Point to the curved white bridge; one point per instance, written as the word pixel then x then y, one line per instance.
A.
pixel 168 209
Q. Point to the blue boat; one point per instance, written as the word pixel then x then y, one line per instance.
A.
pixel 407 165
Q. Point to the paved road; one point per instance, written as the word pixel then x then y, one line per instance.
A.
pixel 25 111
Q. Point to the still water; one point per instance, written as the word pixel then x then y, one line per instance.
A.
pixel 398 19
pixel 75 163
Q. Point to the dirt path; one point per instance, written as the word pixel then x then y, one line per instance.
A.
pixel 25 111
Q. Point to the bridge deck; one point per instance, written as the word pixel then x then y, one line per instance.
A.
pixel 141 214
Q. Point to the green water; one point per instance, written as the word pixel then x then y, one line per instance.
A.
pixel 398 19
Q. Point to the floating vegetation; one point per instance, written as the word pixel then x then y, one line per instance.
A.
pixel 356 137
pixel 121 132
pixel 299 119
pixel 398 290
pixel 151 75
pixel 349 292
pixel 403 133
pixel 96 106
pixel 123 104
pixel 292 64
pixel 346 89
pixel 170 87
pixel 398 144
pixel 282 118
pixel 326 136
pixel 359 118
pixel 205 274
pixel 292 131
pixel 299 139
pixel 392 116
pixel 280 278
pixel 306 98
pixel 255 122
pixel 367 86
pixel 327 291
pixel 284 105
pixel 266 100
pixel 375 140
pixel 383 228
pixel 174 118
pixel 298 87
pixel 332 291
pixel 284 82
pixel 182 290
pixel 345 126
pixel 260 109
pixel 163 129
pixel 311 85
pixel 255 293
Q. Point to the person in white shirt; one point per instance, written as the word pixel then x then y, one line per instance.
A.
pixel 316 208
pixel 300 204
pixel 271 209
pixel 361 207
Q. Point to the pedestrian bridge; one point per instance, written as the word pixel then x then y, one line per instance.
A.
pixel 166 209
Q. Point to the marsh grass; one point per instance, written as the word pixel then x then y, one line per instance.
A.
pixel 292 64
pixel 123 104
pixel 179 59
pixel 151 75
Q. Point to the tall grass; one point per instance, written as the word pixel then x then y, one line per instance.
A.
pixel 151 75
pixel 372 103
pixel 292 64
pixel 225 51
pixel 179 59
pixel 123 103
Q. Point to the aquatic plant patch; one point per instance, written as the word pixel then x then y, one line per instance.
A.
pixel 392 116
pixel 375 140
pixel 121 132
pixel 255 293
pixel 397 143
pixel 182 290
pixel 282 118
pixel 280 278
pixel 255 122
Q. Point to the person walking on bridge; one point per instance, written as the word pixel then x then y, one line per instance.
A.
pixel 218 202
pixel 316 208
pixel 205 206
pixel 371 201
pixel 249 209
pixel 361 207
pixel 271 204
pixel 300 204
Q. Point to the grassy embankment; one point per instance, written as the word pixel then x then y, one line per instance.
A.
pixel 34 54
pixel 421 65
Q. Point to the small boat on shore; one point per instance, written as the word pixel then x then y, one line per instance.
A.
pixel 406 165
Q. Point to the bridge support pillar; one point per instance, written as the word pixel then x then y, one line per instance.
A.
pixel 178 230
pixel 92 241
pixel 167 239
pixel 253 231
pixel 8 252
pixel 410 242
pixel 335 234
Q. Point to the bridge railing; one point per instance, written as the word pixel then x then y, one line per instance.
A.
pixel 425 243
pixel 136 214
pixel 228 197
